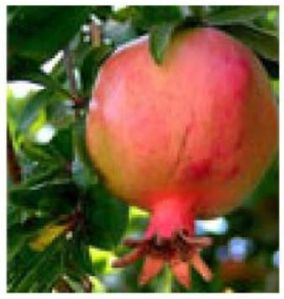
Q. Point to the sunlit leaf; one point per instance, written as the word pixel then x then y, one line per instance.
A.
pixel 46 236
pixel 97 285
pixel 33 107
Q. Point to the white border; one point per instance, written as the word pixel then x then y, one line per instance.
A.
pixel 3 136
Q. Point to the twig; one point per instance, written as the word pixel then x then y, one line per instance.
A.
pixel 14 169
pixel 69 68
pixel 87 285
pixel 61 286
pixel 96 33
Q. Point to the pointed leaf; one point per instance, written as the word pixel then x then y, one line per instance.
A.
pixel 159 41
pixel 44 260
pixel 91 64
pixel 62 143
pixel 44 41
pixel 46 236
pixel 47 81
pixel 262 42
pixel 106 218
pixel 19 234
pixel 55 197
pixel 33 107
pixel 235 14
pixel 147 16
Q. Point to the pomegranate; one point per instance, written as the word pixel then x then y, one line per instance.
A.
pixel 183 140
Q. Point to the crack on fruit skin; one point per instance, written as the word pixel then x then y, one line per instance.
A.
pixel 181 252
pixel 181 150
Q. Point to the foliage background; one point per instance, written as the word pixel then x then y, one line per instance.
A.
pixel 64 227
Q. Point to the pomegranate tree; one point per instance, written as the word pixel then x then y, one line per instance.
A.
pixel 182 140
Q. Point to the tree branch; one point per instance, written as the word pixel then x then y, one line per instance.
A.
pixel 69 68
pixel 96 33
pixel 61 286
pixel 14 169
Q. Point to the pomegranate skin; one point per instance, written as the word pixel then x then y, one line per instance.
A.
pixel 200 128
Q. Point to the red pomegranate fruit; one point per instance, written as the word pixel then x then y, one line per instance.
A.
pixel 182 140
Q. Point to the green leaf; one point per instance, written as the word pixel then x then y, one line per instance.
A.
pixel 262 42
pixel 36 152
pixel 41 175
pixel 55 197
pixel 60 114
pixel 159 40
pixel 43 31
pixel 119 32
pixel 79 135
pixel 90 66
pixel 12 13
pixel 19 66
pixel 83 170
pixel 14 110
pixel 234 14
pixel 59 149
pixel 106 218
pixel 270 22
pixel 97 285
pixel 62 143
pixel 34 104
pixel 267 186
pixel 14 215
pixel 102 12
pixel 19 266
pixel 53 159
pixel 101 260
pixel 48 277
pixel 47 81
pixel 124 14
pixel 42 262
pixel 197 11
pixel 79 253
pixel 18 234
pixel 83 176
pixel 148 16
